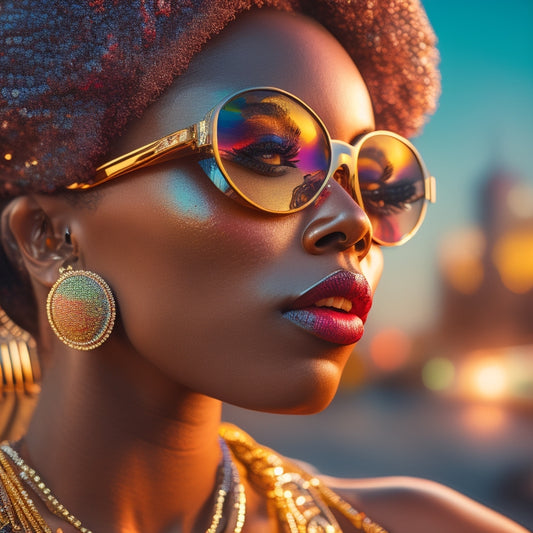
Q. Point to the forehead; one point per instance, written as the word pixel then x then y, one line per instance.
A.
pixel 264 48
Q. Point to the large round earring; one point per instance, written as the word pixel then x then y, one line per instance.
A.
pixel 81 309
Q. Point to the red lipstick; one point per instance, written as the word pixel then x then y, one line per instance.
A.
pixel 335 309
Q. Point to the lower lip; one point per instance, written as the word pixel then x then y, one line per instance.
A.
pixel 328 324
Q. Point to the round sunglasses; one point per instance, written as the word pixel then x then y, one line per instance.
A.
pixel 266 148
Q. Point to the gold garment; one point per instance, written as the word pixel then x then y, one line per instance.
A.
pixel 303 504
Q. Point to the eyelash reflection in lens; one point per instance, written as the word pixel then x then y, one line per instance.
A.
pixel 388 200
pixel 269 156
pixel 383 199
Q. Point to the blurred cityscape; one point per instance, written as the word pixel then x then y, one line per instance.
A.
pixel 454 402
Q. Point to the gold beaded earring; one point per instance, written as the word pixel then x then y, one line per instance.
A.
pixel 81 309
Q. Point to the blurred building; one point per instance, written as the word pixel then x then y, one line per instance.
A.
pixel 487 271
pixel 481 347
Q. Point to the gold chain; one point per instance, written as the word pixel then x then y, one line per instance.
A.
pixel 20 512
pixel 18 508
pixel 230 484
pixel 32 478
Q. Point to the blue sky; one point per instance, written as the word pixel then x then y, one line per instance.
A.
pixel 484 121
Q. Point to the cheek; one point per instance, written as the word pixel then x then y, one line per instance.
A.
pixel 184 260
pixel 212 238
pixel 372 266
pixel 213 232
pixel 182 196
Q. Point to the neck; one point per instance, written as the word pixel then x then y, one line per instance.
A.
pixel 119 444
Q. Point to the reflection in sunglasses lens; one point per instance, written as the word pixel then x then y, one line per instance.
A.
pixel 392 187
pixel 272 150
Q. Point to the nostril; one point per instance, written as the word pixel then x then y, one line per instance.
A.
pixel 360 245
pixel 336 237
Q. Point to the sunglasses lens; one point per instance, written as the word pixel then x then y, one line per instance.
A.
pixel 272 150
pixel 392 184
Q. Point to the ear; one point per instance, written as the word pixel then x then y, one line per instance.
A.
pixel 36 238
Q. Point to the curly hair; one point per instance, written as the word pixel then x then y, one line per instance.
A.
pixel 72 73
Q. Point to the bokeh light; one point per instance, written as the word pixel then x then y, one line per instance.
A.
pixel 513 257
pixel 390 349
pixel 491 380
pixel 484 419
pixel 461 255
pixel 438 374
pixel 484 377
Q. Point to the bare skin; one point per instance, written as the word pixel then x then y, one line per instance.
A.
pixel 126 436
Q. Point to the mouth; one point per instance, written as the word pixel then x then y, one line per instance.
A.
pixel 335 309
pixel 335 302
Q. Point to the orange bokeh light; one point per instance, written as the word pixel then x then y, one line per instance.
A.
pixel 485 377
pixel 484 419
pixel 491 381
pixel 513 257
pixel 390 349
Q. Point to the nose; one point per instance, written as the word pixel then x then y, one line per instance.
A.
pixel 338 223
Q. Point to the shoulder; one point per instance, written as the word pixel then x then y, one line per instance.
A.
pixel 413 505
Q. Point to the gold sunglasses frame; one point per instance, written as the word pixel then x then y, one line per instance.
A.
pixel 200 139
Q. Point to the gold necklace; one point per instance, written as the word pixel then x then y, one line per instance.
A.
pixel 18 510
pixel 29 476
pixel 230 484
pixel 22 513
pixel 302 502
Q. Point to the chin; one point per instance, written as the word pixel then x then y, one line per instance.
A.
pixel 308 391
pixel 308 408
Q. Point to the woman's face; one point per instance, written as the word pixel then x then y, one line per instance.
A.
pixel 202 282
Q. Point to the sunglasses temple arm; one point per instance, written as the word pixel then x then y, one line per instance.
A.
pixel 431 189
pixel 178 144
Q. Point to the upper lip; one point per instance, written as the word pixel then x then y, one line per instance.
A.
pixel 342 284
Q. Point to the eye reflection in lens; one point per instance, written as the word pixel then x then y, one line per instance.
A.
pixel 266 141
pixel 305 192
pixel 392 187
pixel 264 136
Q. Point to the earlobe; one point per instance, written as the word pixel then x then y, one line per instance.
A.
pixel 34 240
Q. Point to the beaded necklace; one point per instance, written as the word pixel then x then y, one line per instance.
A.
pixel 20 514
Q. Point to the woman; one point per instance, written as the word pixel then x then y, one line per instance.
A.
pixel 254 296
